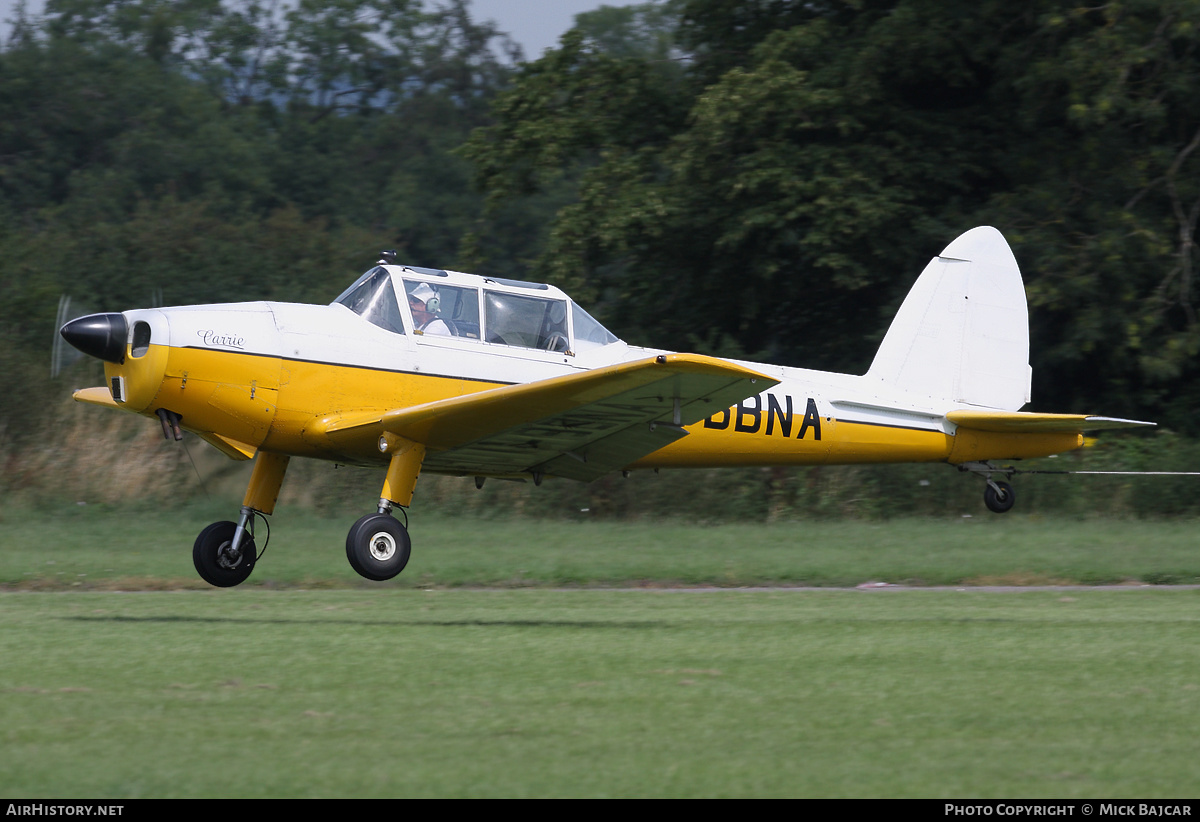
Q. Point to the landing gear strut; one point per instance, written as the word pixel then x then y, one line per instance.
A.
pixel 378 547
pixel 224 553
pixel 998 495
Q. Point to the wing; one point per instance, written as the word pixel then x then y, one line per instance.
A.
pixel 1016 422
pixel 579 426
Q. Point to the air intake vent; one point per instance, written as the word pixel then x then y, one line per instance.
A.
pixel 141 339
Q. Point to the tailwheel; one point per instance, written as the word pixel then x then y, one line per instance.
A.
pixel 215 560
pixel 378 547
pixel 999 496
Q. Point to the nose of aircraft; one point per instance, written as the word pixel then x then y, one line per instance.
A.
pixel 101 336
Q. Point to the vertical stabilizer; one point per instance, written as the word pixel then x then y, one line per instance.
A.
pixel 962 333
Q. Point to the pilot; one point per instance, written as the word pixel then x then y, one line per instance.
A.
pixel 423 301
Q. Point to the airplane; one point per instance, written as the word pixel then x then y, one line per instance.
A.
pixel 419 369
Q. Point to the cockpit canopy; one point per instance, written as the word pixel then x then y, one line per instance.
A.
pixel 450 304
pixel 372 298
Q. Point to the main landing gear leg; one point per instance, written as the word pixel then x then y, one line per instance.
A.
pixel 378 547
pixel 224 553
pixel 999 495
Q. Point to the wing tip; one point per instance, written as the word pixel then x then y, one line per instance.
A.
pixel 1017 421
pixel 1093 421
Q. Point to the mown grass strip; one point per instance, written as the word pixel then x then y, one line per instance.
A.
pixel 599 693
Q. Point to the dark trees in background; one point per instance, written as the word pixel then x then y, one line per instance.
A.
pixel 754 177
pixel 769 177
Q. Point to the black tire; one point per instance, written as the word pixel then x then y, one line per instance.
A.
pixel 1002 501
pixel 378 547
pixel 211 557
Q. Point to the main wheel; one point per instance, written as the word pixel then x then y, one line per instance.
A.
pixel 378 547
pixel 215 561
pixel 999 501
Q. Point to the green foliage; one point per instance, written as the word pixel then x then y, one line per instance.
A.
pixel 790 173
pixel 157 152
pixel 760 178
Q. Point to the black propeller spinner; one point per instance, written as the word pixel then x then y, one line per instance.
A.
pixel 101 336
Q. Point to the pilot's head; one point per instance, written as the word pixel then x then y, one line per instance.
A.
pixel 423 302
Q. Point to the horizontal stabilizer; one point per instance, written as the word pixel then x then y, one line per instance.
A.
pixel 1016 422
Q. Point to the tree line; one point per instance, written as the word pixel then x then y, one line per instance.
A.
pixel 762 178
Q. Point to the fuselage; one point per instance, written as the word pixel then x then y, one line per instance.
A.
pixel 266 376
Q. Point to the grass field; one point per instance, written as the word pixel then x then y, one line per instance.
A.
pixel 125 676
pixel 600 693
pixel 98 548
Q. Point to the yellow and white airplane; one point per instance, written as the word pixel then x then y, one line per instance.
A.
pixel 421 369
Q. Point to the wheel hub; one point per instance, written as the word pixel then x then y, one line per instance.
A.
pixel 383 546
pixel 226 558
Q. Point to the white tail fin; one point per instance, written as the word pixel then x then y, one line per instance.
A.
pixel 962 333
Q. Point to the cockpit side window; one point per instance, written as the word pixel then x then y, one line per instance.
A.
pixel 588 332
pixel 529 322
pixel 443 310
pixel 373 298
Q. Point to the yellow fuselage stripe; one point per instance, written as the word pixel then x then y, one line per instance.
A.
pixel 271 403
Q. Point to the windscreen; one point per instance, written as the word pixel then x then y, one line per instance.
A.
pixel 373 298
